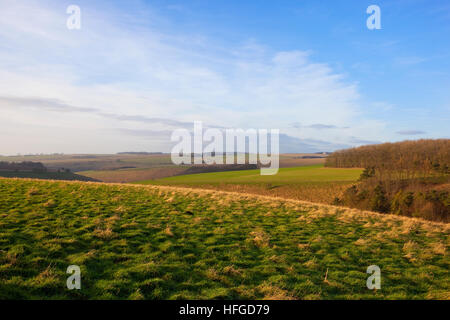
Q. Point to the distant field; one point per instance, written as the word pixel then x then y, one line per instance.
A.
pixel 112 162
pixel 154 242
pixel 296 160
pixel 131 175
pixel 85 162
pixel 311 183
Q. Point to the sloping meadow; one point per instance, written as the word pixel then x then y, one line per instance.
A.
pixel 153 242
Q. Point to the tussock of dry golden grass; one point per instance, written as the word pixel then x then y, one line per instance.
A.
pixel 271 292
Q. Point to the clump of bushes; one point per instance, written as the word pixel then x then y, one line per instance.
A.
pixel 426 198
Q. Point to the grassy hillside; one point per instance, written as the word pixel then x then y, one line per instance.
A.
pixel 311 183
pixel 136 242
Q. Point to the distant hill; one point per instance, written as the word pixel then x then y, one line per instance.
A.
pixel 140 153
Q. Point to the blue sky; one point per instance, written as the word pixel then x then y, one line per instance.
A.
pixel 137 70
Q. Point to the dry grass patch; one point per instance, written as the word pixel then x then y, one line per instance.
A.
pixel 303 246
pixel 271 292
pixel 311 264
pixel 121 209
pixel 410 248
pixel 33 191
pixel 47 275
pixel 232 271
pixel 361 242
pixel 105 234
pixel 438 248
pixel 168 232
pixel 260 238
pixel 11 258
pixel 129 225
pixel 212 274
pixel 50 204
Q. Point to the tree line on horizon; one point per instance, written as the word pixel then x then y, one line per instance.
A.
pixel 22 166
pixel 408 159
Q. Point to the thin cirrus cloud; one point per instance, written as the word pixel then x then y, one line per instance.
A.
pixel 55 105
pixel 321 126
pixel 318 126
pixel 358 141
pixel 410 132
pixel 407 61
pixel 41 104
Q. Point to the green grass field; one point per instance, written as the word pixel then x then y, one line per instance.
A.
pixel 310 183
pixel 296 175
pixel 153 242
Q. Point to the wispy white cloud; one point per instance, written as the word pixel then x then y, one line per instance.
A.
pixel 408 61
pixel 410 132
